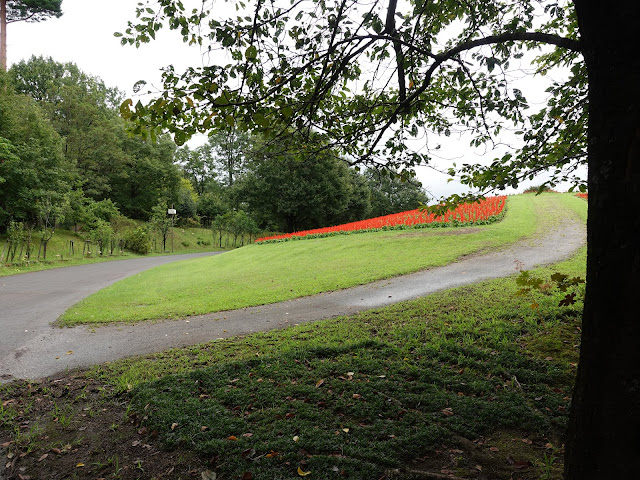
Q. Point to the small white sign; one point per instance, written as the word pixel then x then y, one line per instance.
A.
pixel 171 211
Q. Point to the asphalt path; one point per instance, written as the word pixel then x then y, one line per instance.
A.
pixel 30 348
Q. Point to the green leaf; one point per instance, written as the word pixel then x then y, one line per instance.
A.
pixel 251 53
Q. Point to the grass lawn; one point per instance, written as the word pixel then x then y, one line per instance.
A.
pixel 59 254
pixel 261 274
pixel 470 382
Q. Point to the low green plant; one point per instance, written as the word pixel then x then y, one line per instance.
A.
pixel 138 240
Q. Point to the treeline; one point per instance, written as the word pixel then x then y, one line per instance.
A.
pixel 67 159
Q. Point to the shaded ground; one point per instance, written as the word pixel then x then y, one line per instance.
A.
pixel 78 428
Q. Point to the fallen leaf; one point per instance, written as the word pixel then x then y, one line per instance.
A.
pixel 43 457
pixel 247 476
pixel 272 454
pixel 356 396
pixel 319 383
pixel 70 352
pixel 527 441
pixel 204 428
pixel 174 426
pixel 447 411
pixel 296 438
pixel 232 437
pixel 80 465
pixel 522 464
pixel 302 473
pixel 209 475
pixel 494 449
pixel 247 435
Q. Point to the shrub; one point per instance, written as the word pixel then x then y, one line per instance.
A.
pixel 138 241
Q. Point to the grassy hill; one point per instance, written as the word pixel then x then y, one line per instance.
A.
pixel 260 274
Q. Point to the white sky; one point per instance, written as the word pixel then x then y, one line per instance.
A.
pixel 84 35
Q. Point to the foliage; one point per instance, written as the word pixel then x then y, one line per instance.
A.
pixel 572 288
pixel 137 240
pixel 105 161
pixel 297 191
pixel 161 222
pixel 32 10
pixel 372 77
pixel 391 193
pixel 32 167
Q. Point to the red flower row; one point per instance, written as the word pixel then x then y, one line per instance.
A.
pixel 582 195
pixel 468 213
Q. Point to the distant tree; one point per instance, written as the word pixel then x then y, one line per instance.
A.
pixel 23 10
pixel 160 222
pixel 297 191
pixel 50 215
pixel 147 177
pixel 186 200
pixel 32 166
pixel 230 150
pixel 197 165
pixel 210 205
pixel 393 194
pixel 82 110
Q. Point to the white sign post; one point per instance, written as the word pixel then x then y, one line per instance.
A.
pixel 172 213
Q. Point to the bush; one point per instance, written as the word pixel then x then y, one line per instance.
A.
pixel 138 241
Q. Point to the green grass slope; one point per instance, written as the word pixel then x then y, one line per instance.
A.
pixel 59 253
pixel 260 274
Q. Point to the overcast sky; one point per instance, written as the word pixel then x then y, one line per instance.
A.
pixel 84 35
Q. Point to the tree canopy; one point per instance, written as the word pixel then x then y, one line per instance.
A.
pixel 376 79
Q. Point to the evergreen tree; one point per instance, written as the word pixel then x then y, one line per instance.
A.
pixel 23 11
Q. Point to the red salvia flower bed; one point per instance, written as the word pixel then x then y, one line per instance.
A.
pixel 486 211
pixel 582 195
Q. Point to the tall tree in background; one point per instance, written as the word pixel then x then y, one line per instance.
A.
pixel 230 150
pixel 32 165
pixel 298 191
pixel 23 11
pixel 369 76
pixel 389 194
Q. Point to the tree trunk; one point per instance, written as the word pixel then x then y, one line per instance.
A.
pixel 3 35
pixel 604 431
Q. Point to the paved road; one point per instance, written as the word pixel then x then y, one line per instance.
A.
pixel 30 302
pixel 31 348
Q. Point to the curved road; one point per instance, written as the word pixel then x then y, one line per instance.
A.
pixel 31 348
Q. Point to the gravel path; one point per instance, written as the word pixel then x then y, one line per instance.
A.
pixel 31 348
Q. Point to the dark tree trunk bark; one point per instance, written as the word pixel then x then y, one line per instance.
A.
pixel 604 432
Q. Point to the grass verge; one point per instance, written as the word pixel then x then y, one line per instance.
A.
pixel 60 254
pixel 466 383
pixel 261 274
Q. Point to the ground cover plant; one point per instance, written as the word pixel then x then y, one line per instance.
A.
pixel 260 274
pixel 466 383
pixel 468 214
